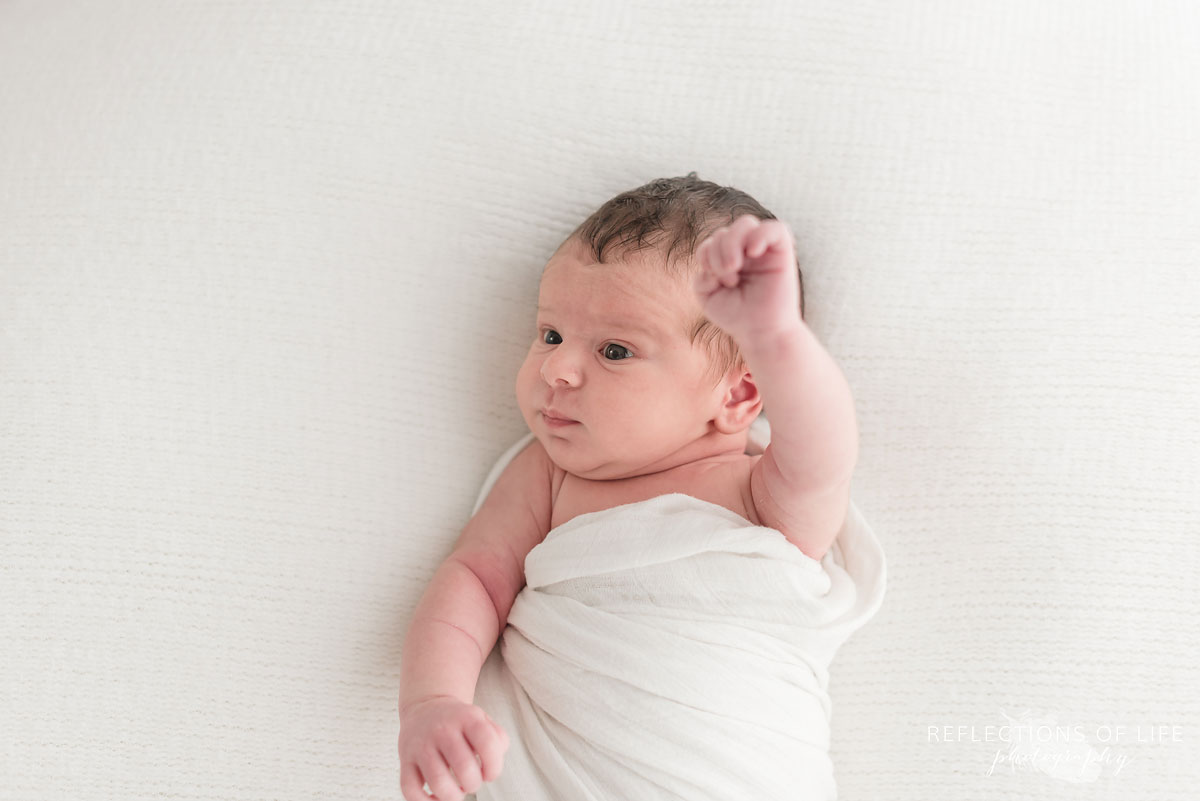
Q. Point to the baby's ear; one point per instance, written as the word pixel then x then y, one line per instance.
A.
pixel 742 404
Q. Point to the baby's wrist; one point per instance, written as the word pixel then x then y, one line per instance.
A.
pixel 410 705
pixel 767 339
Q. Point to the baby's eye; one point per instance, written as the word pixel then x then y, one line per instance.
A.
pixel 608 349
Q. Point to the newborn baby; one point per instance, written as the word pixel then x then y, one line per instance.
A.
pixel 648 363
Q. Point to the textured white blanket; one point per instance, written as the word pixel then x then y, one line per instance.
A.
pixel 670 648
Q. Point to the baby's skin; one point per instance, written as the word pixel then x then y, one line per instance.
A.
pixel 640 415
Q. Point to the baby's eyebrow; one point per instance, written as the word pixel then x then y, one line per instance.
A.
pixel 625 325
pixel 636 325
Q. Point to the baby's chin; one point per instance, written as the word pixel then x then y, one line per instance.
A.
pixel 580 462
pixel 572 456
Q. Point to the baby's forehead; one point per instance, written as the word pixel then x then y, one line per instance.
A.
pixel 643 288
pixel 628 286
pixel 575 270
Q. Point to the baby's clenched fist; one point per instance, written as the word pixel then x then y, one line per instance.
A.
pixel 443 734
pixel 747 282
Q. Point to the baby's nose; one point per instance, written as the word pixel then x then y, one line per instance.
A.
pixel 560 368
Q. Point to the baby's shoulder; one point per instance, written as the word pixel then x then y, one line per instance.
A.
pixel 724 482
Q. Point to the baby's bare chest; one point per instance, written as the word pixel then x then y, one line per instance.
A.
pixel 726 484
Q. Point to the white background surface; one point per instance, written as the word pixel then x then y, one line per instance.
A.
pixel 267 271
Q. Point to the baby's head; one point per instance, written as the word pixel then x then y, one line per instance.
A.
pixel 622 346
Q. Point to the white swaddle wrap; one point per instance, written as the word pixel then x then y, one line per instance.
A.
pixel 670 648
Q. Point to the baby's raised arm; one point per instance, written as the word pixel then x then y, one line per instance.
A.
pixel 748 285
pixel 456 624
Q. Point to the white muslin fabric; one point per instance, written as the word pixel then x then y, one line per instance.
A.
pixel 671 649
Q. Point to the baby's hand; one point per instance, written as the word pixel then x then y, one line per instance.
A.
pixel 747 283
pixel 443 733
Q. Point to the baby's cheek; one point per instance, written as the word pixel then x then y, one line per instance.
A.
pixel 519 384
pixel 529 369
pixel 526 384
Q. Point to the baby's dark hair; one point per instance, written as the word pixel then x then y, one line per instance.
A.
pixel 674 215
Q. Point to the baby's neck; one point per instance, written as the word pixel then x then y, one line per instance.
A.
pixel 712 447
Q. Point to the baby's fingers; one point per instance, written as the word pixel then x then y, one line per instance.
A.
pixel 411 783
pixel 437 777
pixel 490 741
pixel 710 256
pixel 727 257
pixel 757 241
pixel 730 243
pixel 461 760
